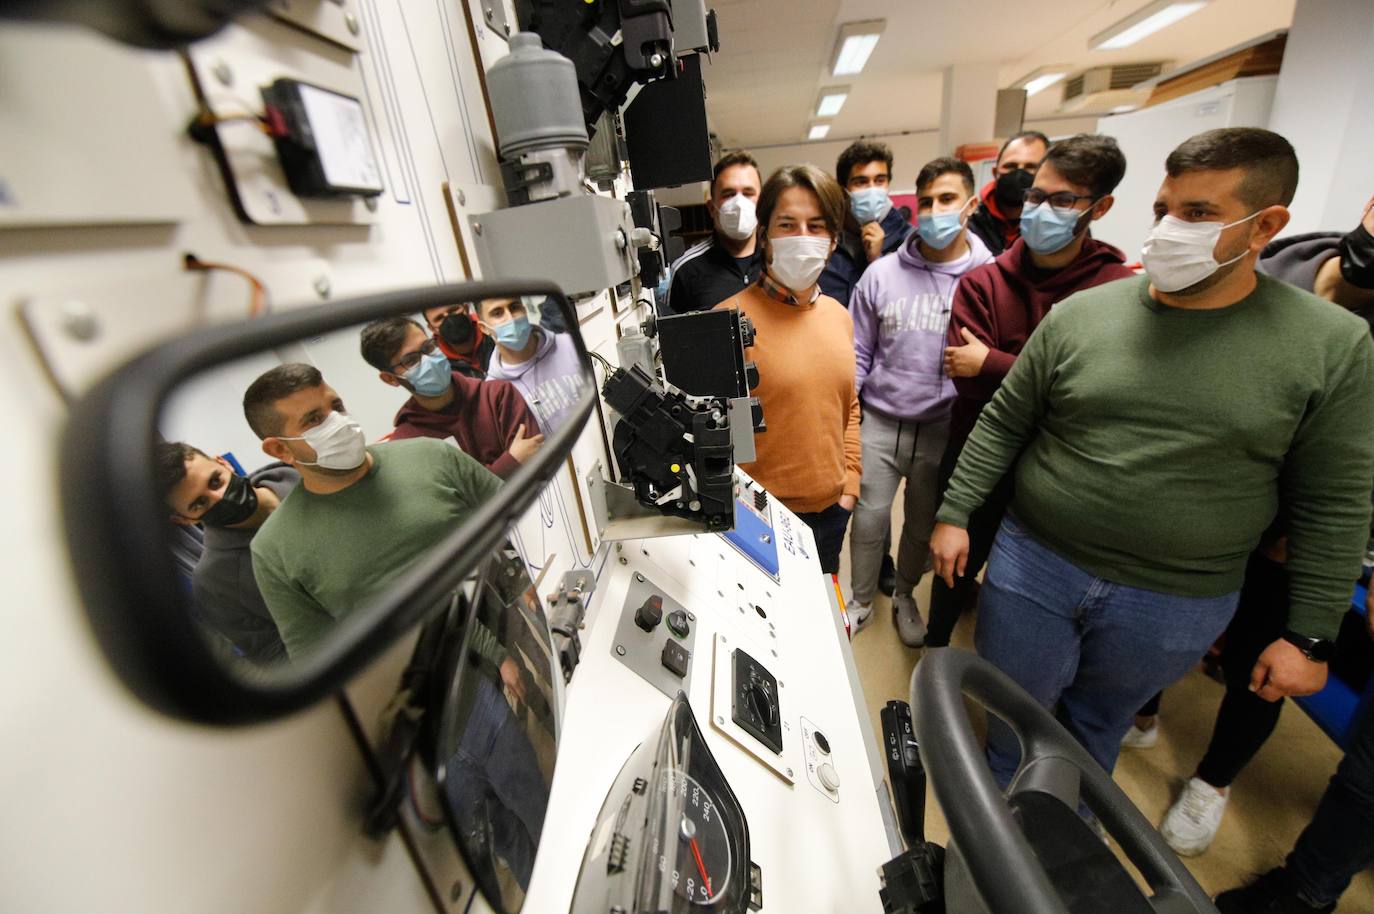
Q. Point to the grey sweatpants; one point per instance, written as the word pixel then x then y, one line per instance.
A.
pixel 893 451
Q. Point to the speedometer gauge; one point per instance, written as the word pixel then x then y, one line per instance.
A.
pixel 697 860
pixel 671 837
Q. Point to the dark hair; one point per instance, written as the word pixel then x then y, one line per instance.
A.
pixel 861 152
pixel 1089 160
pixel 1023 135
pixel 945 165
pixel 831 196
pixel 730 160
pixel 382 339
pixel 260 400
pixel 1269 162
pixel 169 461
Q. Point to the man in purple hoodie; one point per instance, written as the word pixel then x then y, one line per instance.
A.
pixel 543 366
pixel 901 309
pixel 487 419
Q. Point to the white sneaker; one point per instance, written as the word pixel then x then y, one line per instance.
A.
pixel 860 614
pixel 1193 820
pixel 1137 738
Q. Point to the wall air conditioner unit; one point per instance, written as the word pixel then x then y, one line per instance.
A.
pixel 1104 88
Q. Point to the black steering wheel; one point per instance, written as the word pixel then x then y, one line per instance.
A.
pixel 1028 851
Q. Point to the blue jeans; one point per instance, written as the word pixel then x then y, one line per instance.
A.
pixel 1339 841
pixel 1089 649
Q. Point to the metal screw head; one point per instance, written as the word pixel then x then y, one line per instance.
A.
pixel 789 772
pixel 720 720
pixel 351 21
pixel 624 561
pixel 620 650
pixel 489 14
pixel 766 538
pixel 322 286
pixel 655 60
pixel 462 198
pixel 639 577
pixel 456 892
pixel 222 73
pixel 370 203
pixel 477 228
pixel 79 321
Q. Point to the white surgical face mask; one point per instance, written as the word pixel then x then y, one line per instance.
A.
pixel 1180 254
pixel 736 217
pixel 799 259
pixel 338 441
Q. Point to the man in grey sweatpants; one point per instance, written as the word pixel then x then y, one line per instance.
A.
pixel 901 310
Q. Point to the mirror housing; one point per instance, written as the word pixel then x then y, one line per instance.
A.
pixel 120 540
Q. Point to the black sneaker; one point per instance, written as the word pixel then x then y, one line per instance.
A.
pixel 1272 893
pixel 887 576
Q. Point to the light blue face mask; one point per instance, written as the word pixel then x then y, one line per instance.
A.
pixel 431 376
pixel 514 333
pixel 1047 228
pixel 940 229
pixel 870 204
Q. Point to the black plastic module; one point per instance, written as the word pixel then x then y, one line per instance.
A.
pixel 322 140
pixel 754 701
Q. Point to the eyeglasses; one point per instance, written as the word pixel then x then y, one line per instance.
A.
pixel 1061 200
pixel 411 359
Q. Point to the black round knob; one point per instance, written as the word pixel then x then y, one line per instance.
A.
pixel 650 614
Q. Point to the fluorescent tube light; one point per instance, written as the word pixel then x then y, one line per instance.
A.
pixel 855 43
pixel 1042 82
pixel 832 100
pixel 1143 23
pixel 818 132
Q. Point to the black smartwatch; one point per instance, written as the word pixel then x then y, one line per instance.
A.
pixel 1318 650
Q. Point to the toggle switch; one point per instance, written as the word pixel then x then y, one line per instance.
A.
pixel 650 614
pixel 678 624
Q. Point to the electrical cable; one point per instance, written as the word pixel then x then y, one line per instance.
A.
pixel 257 302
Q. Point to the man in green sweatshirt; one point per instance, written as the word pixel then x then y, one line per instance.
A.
pixel 1157 425
pixel 360 516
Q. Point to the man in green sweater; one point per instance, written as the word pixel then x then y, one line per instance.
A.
pixel 360 516
pixel 1160 423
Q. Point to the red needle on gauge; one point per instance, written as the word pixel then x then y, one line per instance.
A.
pixel 701 866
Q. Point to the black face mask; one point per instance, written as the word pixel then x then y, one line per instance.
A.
pixel 457 330
pixel 237 504
pixel 1357 258
pixel 1011 188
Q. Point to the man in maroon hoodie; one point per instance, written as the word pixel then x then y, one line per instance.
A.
pixel 489 420
pixel 997 306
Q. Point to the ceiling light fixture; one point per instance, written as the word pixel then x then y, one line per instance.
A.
pixel 818 132
pixel 832 100
pixel 1144 22
pixel 855 43
pixel 1042 78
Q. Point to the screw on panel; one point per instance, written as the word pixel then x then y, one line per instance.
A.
pixel 322 287
pixel 370 203
pixel 351 21
pixel 789 772
pixel 462 198
pixel 477 228
pixel 79 321
pixel 455 894
pixel 639 577
pixel 624 561
pixel 223 73
pixel 620 650
pixel 656 60
pixel 721 721
pixel 691 616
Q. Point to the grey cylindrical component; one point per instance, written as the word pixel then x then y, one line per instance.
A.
pixel 535 100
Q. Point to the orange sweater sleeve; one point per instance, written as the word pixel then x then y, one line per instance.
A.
pixel 853 449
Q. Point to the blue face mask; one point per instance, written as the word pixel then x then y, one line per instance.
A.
pixel 1048 229
pixel 431 376
pixel 870 204
pixel 940 229
pixel 514 333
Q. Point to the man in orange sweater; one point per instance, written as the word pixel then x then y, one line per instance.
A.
pixel 809 457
